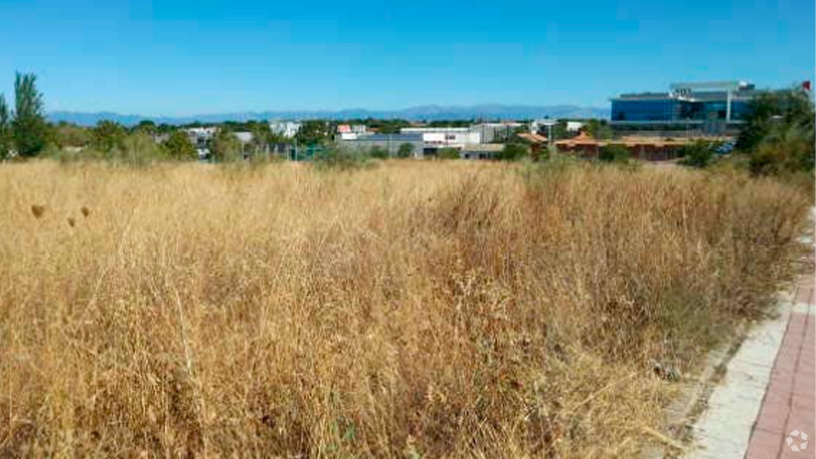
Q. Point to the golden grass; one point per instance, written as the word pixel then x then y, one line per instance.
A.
pixel 411 309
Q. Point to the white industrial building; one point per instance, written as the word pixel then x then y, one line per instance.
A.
pixel 287 129
pixel 445 137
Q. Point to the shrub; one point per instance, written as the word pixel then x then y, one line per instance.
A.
pixel 447 153
pixel 378 152
pixel 698 154
pixel 334 156
pixel 179 147
pixel 513 152
pixel 406 150
pixel 614 153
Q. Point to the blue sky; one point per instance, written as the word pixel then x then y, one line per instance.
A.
pixel 184 57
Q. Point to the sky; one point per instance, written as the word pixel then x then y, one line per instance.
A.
pixel 187 57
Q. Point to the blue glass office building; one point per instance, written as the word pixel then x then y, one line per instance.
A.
pixel 710 105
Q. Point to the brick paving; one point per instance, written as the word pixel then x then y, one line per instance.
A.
pixel 789 403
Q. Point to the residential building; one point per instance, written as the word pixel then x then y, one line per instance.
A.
pixel 287 129
pixel 715 107
pixel 200 137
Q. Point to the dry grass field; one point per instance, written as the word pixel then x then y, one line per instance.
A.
pixel 411 309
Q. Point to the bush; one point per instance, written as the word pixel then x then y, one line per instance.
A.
pixel 406 150
pixel 447 153
pixel 179 147
pixel 378 152
pixel 614 153
pixel 334 156
pixel 108 135
pixel 698 154
pixel 513 152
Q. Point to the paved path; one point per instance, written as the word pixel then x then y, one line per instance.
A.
pixel 789 404
pixel 768 390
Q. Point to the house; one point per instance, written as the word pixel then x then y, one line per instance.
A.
pixel 537 143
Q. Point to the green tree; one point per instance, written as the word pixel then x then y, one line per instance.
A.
pixel 108 135
pixel 29 126
pixel 406 150
pixel 71 135
pixel 313 132
pixel 513 152
pixel 147 127
pixel 225 146
pixel 6 138
pixel 179 147
pixel 598 129
pixel 778 132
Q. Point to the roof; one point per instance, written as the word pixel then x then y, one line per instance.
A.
pixel 533 138
pixel 585 140
pixel 389 137
pixel 343 128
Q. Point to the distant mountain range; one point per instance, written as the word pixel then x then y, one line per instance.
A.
pixel 421 113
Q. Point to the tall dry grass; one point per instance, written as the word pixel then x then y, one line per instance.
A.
pixel 411 309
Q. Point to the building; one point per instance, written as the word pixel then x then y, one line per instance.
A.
pixel 643 148
pixel 435 138
pixel 351 131
pixel 481 150
pixel 494 132
pixel 537 143
pixel 389 142
pixel 287 129
pixel 200 137
pixel 705 108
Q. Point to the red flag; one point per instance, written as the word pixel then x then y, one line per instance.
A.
pixel 806 85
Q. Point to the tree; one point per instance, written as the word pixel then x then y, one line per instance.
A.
pixel 225 146
pixel 406 150
pixel 108 135
pixel 513 152
pixel 598 129
pixel 71 135
pixel 178 146
pixel 313 132
pixel 6 139
pixel 146 127
pixel 29 126
pixel 778 132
